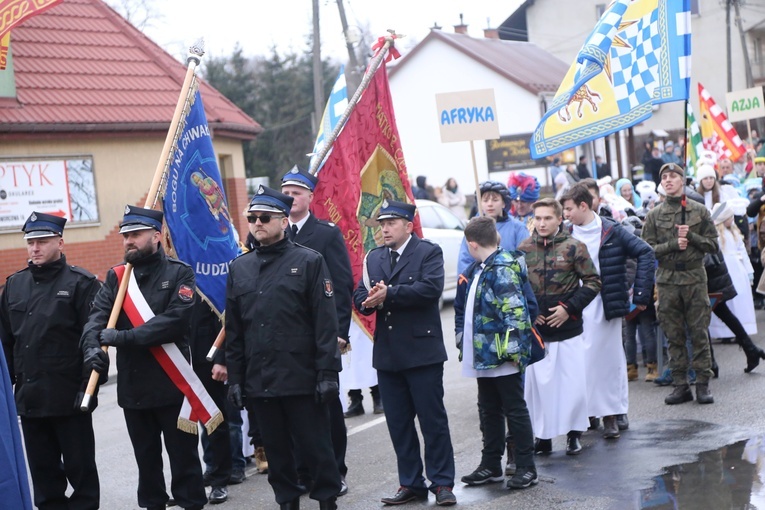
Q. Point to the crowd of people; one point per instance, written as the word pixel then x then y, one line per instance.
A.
pixel 546 288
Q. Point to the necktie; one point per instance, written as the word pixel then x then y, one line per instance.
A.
pixel 393 259
pixel 294 231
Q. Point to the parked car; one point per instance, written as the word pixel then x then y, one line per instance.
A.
pixel 444 228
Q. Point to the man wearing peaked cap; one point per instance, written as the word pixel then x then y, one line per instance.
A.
pixel 42 314
pixel 150 400
pixel 307 230
pixel 402 285
pixel 281 350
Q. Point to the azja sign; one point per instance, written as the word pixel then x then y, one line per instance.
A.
pixel 745 104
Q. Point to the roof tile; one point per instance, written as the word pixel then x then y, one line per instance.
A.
pixel 81 65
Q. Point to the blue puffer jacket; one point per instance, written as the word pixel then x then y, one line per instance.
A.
pixel 500 312
pixel 616 245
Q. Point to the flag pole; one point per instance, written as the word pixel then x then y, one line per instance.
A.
pixel 192 62
pixel 374 64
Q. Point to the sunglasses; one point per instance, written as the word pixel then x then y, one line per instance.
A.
pixel 264 218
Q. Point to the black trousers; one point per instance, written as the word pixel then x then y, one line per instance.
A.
pixel 339 441
pixel 299 418
pixel 147 429
pixel 501 398
pixel 731 321
pixel 418 393
pixel 217 447
pixel 47 441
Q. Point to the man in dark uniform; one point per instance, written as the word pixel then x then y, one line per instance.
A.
pixel 217 446
pixel 281 350
pixel 43 310
pixel 150 400
pixel 402 284
pixel 307 230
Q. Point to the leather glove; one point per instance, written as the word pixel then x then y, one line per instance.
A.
pixel 94 358
pixel 110 337
pixel 235 396
pixel 327 387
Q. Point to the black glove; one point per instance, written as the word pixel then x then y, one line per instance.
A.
pixel 109 337
pixel 235 396
pixel 327 387
pixel 94 358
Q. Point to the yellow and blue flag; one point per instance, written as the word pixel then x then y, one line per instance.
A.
pixel 333 112
pixel 638 55
pixel 196 212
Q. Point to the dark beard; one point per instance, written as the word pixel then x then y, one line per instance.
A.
pixel 134 256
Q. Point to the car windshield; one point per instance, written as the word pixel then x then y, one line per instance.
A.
pixel 430 218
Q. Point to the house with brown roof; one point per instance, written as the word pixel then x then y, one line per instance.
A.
pixel 523 76
pixel 85 105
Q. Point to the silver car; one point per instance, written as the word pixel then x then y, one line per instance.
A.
pixel 444 228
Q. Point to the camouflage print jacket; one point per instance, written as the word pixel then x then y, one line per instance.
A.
pixel 500 312
pixel 556 266
pixel 676 266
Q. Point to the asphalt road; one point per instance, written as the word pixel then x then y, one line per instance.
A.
pixel 606 475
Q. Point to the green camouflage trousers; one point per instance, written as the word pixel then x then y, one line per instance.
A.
pixel 681 306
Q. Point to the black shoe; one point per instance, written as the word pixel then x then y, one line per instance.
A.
pixel 727 340
pixel 218 495
pixel 206 478
pixel 543 446
pixel 594 423
pixel 703 395
pixel 237 476
pixel 355 409
pixel 715 369
pixel 483 475
pixel 610 428
pixel 510 467
pixel 343 487
pixel 622 422
pixel 404 495
pixel 573 445
pixel 679 395
pixel 753 353
pixel 377 406
pixel 445 496
pixel 524 477
pixel 292 505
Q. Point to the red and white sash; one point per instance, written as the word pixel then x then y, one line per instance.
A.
pixel 197 403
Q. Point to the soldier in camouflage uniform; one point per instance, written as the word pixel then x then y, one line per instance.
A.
pixel 556 387
pixel 681 235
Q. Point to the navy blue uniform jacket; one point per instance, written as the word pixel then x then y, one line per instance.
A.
pixel 408 326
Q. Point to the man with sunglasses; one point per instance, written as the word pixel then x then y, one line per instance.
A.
pixel 281 350
pixel 307 230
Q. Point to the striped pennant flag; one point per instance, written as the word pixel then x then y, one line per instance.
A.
pixel 717 132
pixel 695 144
pixel 333 112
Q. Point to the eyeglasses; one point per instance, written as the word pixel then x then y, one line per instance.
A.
pixel 264 218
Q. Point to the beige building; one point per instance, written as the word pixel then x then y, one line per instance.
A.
pixel 85 106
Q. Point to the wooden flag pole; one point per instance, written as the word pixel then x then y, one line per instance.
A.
pixel 479 208
pixel 192 61
pixel 373 66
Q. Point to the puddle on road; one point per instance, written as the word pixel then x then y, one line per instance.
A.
pixel 732 477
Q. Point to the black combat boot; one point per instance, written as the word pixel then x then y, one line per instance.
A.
pixel 376 400
pixel 356 408
pixel 703 395
pixel 680 394
pixel 753 353
pixel 292 505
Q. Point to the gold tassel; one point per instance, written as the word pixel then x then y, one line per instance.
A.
pixel 214 421
pixel 188 426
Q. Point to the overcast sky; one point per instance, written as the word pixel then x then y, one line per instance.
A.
pixel 287 23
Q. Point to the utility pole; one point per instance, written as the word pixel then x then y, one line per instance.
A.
pixel 727 47
pixel 318 75
pixel 352 73
pixel 744 49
